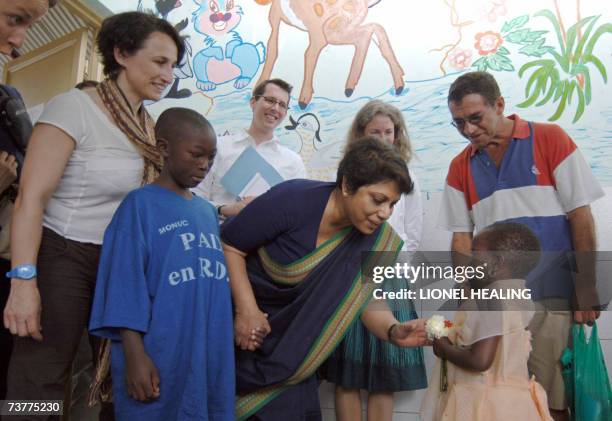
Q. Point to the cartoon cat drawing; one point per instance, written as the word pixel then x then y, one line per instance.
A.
pixel 226 57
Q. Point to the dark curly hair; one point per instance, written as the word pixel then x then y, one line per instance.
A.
pixel 128 31
pixel 516 243
pixel 369 161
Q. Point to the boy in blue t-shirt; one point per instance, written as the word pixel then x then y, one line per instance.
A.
pixel 162 293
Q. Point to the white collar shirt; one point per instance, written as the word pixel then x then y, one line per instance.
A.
pixel 288 163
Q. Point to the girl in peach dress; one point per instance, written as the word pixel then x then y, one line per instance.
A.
pixel 486 352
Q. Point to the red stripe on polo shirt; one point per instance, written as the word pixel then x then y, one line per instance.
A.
pixel 551 147
pixel 460 177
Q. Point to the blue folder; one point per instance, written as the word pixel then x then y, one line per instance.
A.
pixel 248 164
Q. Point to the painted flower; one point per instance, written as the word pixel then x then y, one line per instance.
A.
pixel 460 59
pixel 488 42
pixel 437 327
pixel 496 8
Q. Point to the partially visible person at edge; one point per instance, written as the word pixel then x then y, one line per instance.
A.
pixel 88 150
pixel 16 17
pixel 294 258
pixel 531 173
pixel 269 104
pixel 362 361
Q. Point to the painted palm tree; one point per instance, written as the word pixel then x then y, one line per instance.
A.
pixel 567 76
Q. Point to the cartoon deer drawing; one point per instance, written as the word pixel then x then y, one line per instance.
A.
pixel 335 22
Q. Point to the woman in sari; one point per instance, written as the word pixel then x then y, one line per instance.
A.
pixel 295 258
pixel 87 151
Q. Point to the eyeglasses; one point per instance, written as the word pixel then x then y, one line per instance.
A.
pixel 474 120
pixel 271 101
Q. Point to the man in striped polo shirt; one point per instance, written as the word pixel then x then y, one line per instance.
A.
pixel 531 173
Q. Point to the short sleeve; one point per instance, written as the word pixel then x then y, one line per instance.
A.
pixel 455 215
pixel 480 325
pixel 65 111
pixel 264 219
pixel 122 300
pixel 573 178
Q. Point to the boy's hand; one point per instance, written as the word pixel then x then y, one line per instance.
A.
pixel 257 338
pixel 250 329
pixel 141 377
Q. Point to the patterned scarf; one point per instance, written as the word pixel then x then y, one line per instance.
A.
pixel 140 130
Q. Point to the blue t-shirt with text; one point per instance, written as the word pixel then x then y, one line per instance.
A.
pixel 162 273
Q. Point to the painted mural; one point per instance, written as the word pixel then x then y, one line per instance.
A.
pixel 551 58
pixel 333 22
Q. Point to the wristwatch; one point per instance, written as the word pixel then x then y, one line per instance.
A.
pixel 219 210
pixel 25 272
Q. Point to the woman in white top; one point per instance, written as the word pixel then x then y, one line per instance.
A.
pixel 362 361
pixel 88 150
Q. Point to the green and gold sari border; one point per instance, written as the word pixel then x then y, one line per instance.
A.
pixel 251 403
pixel 295 272
pixel 334 322
pixel 331 335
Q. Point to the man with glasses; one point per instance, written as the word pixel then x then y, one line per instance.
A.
pixel 269 103
pixel 530 173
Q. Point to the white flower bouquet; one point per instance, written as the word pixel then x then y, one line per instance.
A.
pixel 438 327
